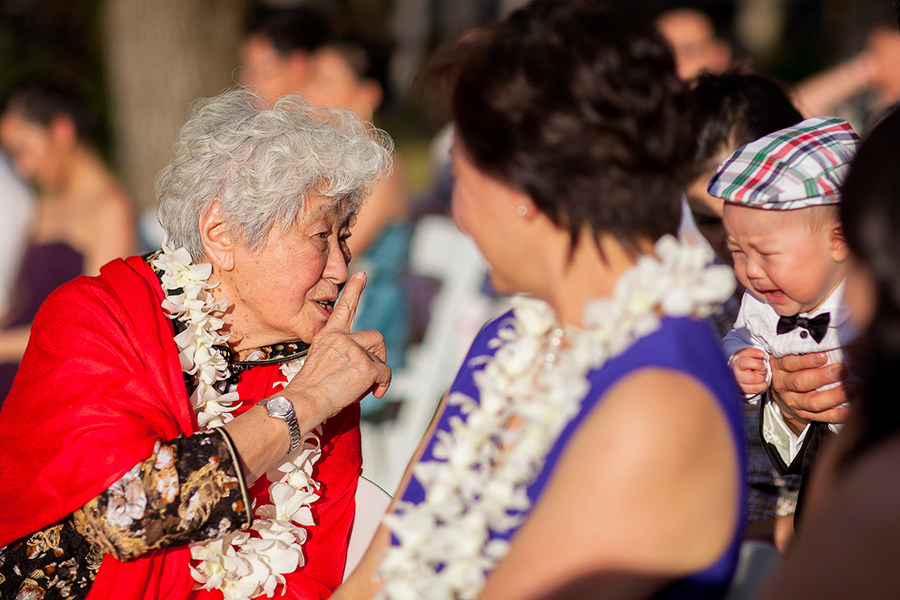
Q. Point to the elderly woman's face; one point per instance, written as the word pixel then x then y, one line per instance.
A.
pixel 286 289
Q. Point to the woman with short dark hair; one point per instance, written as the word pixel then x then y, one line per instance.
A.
pixel 594 428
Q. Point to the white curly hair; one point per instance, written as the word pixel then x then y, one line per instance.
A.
pixel 263 163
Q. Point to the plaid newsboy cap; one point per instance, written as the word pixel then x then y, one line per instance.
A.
pixel 797 167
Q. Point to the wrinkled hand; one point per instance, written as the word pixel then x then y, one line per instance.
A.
pixel 750 370
pixel 795 383
pixel 341 367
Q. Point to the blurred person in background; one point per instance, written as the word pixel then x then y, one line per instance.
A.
pixel 694 42
pixel 733 109
pixel 84 217
pixel 860 89
pixel 277 47
pixel 352 74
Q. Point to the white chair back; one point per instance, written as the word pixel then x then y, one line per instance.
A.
pixel 371 505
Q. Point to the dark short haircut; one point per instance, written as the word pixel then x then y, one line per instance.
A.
pixel 870 213
pixel 40 101
pixel 580 108
pixel 289 29
pixel 734 109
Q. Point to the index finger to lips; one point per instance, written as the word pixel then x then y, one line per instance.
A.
pixel 345 309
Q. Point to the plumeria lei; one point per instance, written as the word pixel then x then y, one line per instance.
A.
pixel 240 565
pixel 529 391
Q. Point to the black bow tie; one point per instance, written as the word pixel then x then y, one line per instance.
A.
pixel 817 326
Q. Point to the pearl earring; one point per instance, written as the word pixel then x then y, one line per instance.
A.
pixel 521 210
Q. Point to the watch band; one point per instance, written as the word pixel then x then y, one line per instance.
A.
pixel 282 408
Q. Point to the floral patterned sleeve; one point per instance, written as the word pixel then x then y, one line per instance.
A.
pixel 190 490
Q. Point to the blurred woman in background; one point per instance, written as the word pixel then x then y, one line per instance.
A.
pixel 84 218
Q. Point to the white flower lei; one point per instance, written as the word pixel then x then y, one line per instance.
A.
pixel 536 380
pixel 239 565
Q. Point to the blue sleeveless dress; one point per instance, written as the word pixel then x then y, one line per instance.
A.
pixel 679 344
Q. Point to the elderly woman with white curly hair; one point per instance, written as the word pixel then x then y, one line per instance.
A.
pixel 186 424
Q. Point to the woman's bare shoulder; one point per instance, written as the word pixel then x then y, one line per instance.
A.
pixel 648 482
pixel 659 398
pixel 106 228
pixel 661 413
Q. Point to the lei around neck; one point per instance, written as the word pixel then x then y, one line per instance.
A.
pixel 536 379
pixel 241 566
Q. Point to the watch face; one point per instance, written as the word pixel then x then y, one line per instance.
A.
pixel 279 406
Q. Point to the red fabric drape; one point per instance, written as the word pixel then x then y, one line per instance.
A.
pixel 99 383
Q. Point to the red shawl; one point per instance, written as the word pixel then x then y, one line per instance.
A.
pixel 99 383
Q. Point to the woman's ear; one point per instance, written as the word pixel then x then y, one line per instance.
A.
pixel 839 249
pixel 218 242
pixel 525 207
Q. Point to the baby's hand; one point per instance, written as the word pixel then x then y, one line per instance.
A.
pixel 749 366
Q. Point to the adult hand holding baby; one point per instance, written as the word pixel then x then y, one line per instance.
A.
pixel 796 380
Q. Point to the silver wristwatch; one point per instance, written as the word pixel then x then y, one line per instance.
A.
pixel 280 407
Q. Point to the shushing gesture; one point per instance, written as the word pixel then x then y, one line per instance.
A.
pixel 341 367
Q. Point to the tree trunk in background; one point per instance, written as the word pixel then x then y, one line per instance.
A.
pixel 161 55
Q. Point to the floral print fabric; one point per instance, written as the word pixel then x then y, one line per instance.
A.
pixel 56 562
pixel 190 489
